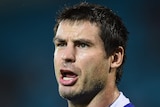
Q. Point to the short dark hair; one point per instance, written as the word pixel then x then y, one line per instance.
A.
pixel 112 31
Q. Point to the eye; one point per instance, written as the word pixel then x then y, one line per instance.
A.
pixel 82 45
pixel 60 44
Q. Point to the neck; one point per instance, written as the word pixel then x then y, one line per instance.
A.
pixel 103 99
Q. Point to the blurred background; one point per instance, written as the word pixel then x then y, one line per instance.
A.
pixel 26 51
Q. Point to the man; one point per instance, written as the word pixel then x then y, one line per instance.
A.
pixel 90 42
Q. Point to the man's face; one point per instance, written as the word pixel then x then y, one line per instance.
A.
pixel 80 62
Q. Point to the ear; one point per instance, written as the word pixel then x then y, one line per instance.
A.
pixel 117 57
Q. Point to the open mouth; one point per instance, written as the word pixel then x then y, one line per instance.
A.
pixel 68 75
pixel 68 78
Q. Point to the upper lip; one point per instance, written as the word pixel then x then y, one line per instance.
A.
pixel 64 72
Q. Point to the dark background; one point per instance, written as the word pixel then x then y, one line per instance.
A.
pixel 26 51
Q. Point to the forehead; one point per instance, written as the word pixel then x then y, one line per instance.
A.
pixel 77 29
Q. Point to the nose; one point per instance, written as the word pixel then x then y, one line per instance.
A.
pixel 69 54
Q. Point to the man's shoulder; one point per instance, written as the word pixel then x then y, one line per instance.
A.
pixel 122 101
pixel 129 105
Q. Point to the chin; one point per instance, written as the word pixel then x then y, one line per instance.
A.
pixel 68 93
pixel 65 91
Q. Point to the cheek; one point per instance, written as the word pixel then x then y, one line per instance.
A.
pixel 93 65
pixel 84 60
pixel 56 60
pixel 57 57
pixel 89 63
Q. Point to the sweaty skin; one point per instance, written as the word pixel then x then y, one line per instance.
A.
pixel 84 74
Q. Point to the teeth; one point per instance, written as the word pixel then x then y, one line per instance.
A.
pixel 66 78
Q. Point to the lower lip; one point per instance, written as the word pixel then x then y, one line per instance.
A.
pixel 68 82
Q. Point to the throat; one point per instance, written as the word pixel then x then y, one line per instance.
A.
pixel 100 98
pixel 85 99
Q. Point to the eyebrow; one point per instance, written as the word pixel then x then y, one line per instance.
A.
pixel 87 41
pixel 80 40
pixel 58 39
